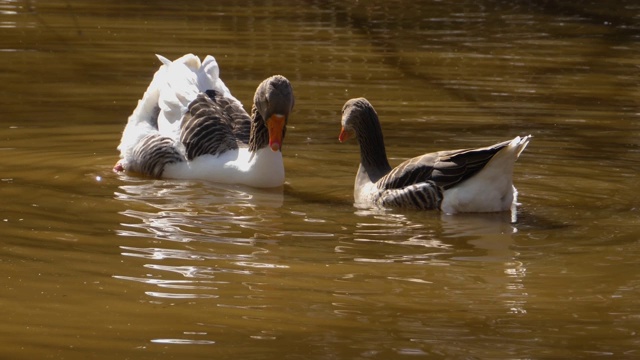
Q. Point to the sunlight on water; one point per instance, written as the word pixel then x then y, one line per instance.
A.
pixel 183 341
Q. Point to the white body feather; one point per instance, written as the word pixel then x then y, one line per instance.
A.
pixel 364 191
pixel 492 188
pixel 262 169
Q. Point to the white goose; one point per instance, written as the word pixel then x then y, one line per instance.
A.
pixel 188 126
pixel 454 181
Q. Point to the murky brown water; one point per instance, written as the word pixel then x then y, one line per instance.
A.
pixel 94 264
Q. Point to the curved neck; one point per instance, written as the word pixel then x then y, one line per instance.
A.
pixel 373 156
pixel 259 136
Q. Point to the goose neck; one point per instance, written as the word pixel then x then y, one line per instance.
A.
pixel 373 156
pixel 259 136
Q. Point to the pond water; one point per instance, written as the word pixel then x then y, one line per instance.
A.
pixel 103 265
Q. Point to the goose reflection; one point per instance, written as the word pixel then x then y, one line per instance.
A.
pixel 490 232
pixel 192 238
pixel 193 194
pixel 184 211
pixel 444 240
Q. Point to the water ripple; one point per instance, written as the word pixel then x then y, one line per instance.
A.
pixel 183 341
pixel 162 254
pixel 180 295
pixel 171 224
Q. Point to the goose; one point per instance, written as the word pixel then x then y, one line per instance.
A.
pixel 453 181
pixel 188 126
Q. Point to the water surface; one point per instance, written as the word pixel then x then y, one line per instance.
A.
pixel 102 265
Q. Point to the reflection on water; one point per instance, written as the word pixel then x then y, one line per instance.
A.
pixel 215 245
pixel 224 215
pixel 444 240
pixel 440 232
pixel 187 210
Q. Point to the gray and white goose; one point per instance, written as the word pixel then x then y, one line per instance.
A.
pixel 188 126
pixel 454 181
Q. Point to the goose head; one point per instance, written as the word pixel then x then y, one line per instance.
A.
pixel 274 101
pixel 360 120
pixel 358 117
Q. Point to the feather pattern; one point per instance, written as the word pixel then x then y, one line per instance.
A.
pixel 420 195
pixel 207 128
pixel 465 180
pixel 258 131
pixel 188 125
pixel 153 153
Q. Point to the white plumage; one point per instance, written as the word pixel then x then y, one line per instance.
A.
pixel 491 189
pixel 175 88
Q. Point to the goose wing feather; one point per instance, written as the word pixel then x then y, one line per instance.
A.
pixel 152 154
pixel 425 195
pixel 213 124
pixel 444 168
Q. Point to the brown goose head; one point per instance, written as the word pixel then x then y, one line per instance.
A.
pixel 359 119
pixel 274 101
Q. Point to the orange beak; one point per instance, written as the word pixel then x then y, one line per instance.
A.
pixel 344 135
pixel 275 125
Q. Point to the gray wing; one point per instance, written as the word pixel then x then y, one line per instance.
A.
pixel 445 168
pixel 152 154
pixel 424 195
pixel 237 116
pixel 213 124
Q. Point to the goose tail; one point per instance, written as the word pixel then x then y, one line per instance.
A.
pixel 144 118
pixel 173 87
pixel 519 143
pixel 492 188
